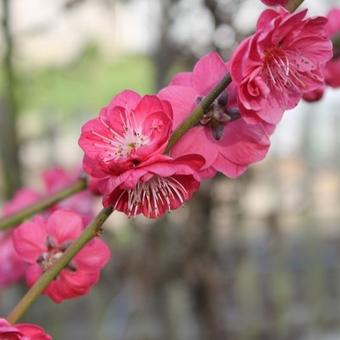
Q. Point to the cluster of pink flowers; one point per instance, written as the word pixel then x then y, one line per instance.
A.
pixel 127 155
pixel 124 148
pixel 13 268
pixel 227 143
pixel 35 245
pixel 284 60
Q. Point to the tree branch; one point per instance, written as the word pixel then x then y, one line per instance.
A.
pixel 16 218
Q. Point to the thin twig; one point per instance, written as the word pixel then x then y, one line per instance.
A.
pixel 199 111
pixel 16 218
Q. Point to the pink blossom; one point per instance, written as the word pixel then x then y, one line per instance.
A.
pixel 275 2
pixel 333 66
pixel 155 186
pixel 227 143
pixel 42 241
pixel 12 268
pixel 124 152
pixel 283 60
pixel 127 132
pixel 23 331
pixel 56 179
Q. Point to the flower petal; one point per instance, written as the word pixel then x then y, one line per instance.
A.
pixel 64 226
pixel 29 239
pixel 208 71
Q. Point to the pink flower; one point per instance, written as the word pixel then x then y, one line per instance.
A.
pixel 152 188
pixel 23 331
pixel 42 241
pixel 12 268
pixel 56 179
pixel 123 151
pixel 275 2
pixel 333 66
pixel 223 138
pixel 127 132
pixel 283 60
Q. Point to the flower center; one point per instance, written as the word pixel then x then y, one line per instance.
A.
pixel 153 196
pixel 131 140
pixel 122 145
pixel 47 259
pixel 283 69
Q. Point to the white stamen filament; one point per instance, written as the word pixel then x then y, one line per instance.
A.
pixel 121 146
pixel 282 73
pixel 49 259
pixel 153 194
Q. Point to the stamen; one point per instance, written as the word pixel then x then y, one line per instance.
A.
pixel 50 243
pixel 47 259
pixel 283 72
pixel 153 195
pixel 121 146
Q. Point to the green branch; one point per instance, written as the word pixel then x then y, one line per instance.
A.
pixel 93 230
pixel 16 218
pixel 198 113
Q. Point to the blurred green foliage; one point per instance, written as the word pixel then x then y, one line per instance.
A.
pixel 85 85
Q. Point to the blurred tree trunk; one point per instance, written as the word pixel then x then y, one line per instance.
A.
pixel 205 276
pixel 9 146
pixel 164 55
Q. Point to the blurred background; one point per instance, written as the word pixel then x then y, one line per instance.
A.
pixel 257 258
